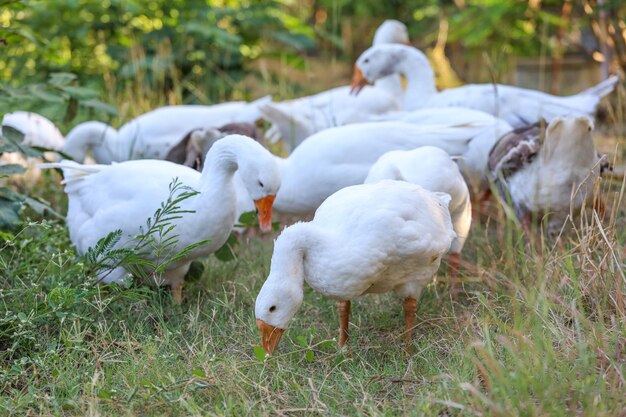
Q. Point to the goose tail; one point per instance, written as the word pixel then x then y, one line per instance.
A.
pixel 603 88
pixel 73 172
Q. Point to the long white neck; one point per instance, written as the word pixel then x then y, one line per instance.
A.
pixel 284 287
pixel 221 163
pixel 217 190
pixel 291 249
pixel 392 84
pixel 291 197
pixel 95 136
pixel 420 77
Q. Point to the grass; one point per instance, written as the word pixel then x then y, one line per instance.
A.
pixel 534 333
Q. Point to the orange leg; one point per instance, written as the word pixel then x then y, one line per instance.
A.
pixel 410 309
pixel 344 318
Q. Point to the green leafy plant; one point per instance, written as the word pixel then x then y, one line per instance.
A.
pixel 60 95
pixel 153 249
pixel 13 202
pixel 195 50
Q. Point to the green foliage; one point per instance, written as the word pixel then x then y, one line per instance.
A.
pixel 194 49
pixel 13 202
pixel 227 251
pixel 148 254
pixel 58 97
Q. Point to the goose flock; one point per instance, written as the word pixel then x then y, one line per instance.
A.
pixel 387 174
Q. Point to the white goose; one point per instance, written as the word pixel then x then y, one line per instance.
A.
pixel 342 156
pixel 295 120
pixel 547 170
pixel 38 131
pixel 518 106
pixel 105 198
pixel 433 169
pixel 153 134
pixel 370 238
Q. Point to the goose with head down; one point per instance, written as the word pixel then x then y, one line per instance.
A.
pixel 518 106
pixel 369 238
pixel 105 198
pixel 549 169
pixel 152 135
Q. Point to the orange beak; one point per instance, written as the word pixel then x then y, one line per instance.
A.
pixel 270 335
pixel 358 81
pixel 264 207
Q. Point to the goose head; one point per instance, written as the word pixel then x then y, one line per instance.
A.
pixel 375 63
pixel 260 174
pixel 391 31
pixel 569 138
pixel 282 293
pixel 275 306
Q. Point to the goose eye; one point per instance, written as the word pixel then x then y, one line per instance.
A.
pixel 261 184
pixel 272 309
pixel 366 61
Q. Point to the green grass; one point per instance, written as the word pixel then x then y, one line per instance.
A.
pixel 535 333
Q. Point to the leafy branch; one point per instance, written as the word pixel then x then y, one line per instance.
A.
pixel 11 201
pixel 154 247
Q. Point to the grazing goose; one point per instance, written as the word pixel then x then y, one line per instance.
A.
pixel 433 169
pixel 153 134
pixel 369 238
pixel 547 170
pixel 105 198
pixel 518 106
pixel 295 120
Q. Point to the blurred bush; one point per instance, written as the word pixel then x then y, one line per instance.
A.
pixel 183 50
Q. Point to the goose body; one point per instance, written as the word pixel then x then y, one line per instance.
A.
pixel 105 198
pixel 433 169
pixel 547 170
pixel 518 106
pixel 339 157
pixel 369 238
pixel 153 134
pixel 295 120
